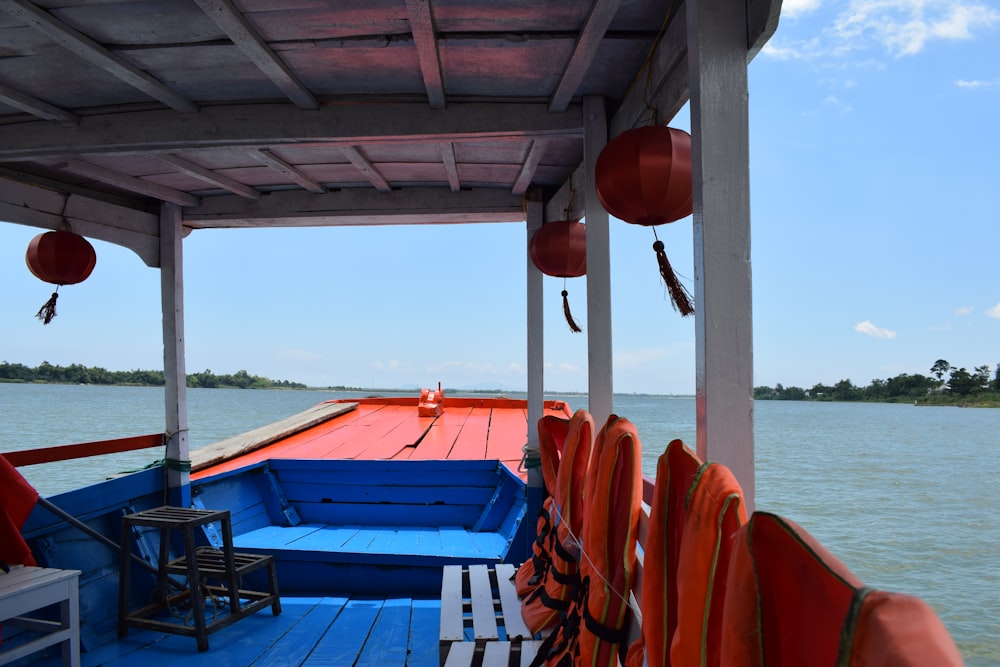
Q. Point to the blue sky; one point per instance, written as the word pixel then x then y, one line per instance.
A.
pixel 875 191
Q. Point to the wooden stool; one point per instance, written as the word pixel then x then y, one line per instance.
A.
pixel 200 565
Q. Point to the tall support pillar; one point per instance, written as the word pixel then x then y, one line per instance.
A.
pixel 600 385
pixel 178 459
pixel 717 69
pixel 535 363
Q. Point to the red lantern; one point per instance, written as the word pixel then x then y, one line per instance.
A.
pixel 60 258
pixel 559 249
pixel 643 176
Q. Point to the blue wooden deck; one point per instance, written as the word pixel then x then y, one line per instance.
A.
pixel 333 631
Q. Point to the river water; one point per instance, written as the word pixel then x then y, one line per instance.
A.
pixel 904 495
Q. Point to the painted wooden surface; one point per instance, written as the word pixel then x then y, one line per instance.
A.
pixel 390 428
pixel 393 631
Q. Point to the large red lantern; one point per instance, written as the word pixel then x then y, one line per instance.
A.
pixel 559 249
pixel 60 258
pixel 643 176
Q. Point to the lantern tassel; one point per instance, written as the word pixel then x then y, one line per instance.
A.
pixel 573 326
pixel 680 298
pixel 48 310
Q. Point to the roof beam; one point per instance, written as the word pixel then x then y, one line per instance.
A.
pixel 78 43
pixel 36 107
pixel 209 176
pixel 425 39
pixel 364 165
pixel 131 183
pixel 664 80
pixel 587 43
pixel 225 15
pixel 293 174
pixel 277 124
pixel 357 206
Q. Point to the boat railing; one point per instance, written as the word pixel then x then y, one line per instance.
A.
pixel 25 457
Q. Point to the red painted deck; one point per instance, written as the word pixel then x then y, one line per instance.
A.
pixel 390 428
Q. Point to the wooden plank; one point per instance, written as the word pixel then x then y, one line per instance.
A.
pixel 452 607
pixel 345 638
pixel 471 441
pixel 496 654
pixel 529 649
pixel 424 627
pixel 460 654
pixel 26 457
pixel 388 641
pixel 511 606
pixel 484 620
pixel 230 448
pixel 508 433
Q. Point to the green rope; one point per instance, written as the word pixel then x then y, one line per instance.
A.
pixel 176 464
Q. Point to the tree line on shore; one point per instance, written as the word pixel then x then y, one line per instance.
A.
pixel 960 386
pixel 79 374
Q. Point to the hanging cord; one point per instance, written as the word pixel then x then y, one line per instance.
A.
pixel 680 298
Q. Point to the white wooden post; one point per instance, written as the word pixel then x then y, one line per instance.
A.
pixel 535 361
pixel 178 459
pixel 717 70
pixel 600 385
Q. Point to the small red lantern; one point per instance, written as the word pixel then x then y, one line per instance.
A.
pixel 60 258
pixel 559 249
pixel 643 176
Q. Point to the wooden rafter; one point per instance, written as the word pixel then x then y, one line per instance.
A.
pixel 587 43
pixel 36 107
pixel 450 166
pixel 365 166
pixel 528 168
pixel 225 14
pixel 422 27
pixel 131 183
pixel 86 48
pixel 293 173
pixel 209 176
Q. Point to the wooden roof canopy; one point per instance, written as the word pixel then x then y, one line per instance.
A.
pixel 311 112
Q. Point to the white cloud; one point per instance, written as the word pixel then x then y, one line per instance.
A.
pixel 977 83
pixel 869 329
pixel 964 310
pixel 994 311
pixel 792 8
pixel 899 27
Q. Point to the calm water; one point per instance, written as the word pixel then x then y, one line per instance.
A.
pixel 905 496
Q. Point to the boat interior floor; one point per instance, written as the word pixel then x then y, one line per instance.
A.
pixel 309 631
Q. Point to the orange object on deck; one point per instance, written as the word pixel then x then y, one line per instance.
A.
pixel 676 470
pixel 715 512
pixel 552 431
pixel 17 499
pixel 789 601
pixel 609 543
pixel 430 402
pixel 561 580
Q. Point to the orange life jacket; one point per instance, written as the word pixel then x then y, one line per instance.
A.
pixel 676 470
pixel 609 542
pixel 552 432
pixel 714 512
pixel 542 608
